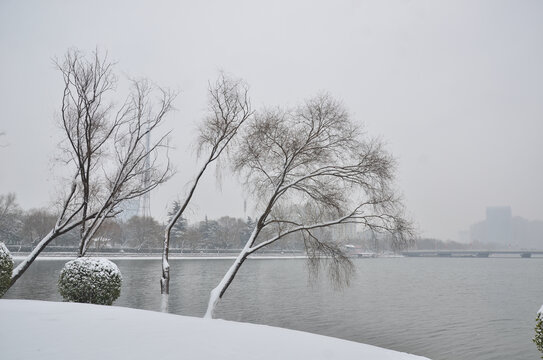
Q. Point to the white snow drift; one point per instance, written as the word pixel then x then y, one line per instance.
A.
pixel 49 330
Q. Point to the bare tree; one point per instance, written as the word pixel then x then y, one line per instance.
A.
pixel 95 133
pixel 229 108
pixel 229 231
pixel 36 225
pixel 85 117
pixel 311 169
pixel 10 218
pixel 106 147
pixel 143 232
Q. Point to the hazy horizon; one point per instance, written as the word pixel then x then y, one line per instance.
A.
pixel 454 89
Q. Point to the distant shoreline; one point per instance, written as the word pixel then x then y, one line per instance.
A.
pixel 154 256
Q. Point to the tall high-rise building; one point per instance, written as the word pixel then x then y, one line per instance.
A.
pixel 500 229
pixel 499 225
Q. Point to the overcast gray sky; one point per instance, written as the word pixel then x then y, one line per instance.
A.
pixel 455 88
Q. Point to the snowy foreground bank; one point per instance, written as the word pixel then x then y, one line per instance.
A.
pixel 50 330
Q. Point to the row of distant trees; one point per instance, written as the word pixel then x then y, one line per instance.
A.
pixel 24 228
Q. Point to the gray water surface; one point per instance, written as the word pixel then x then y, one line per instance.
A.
pixel 445 309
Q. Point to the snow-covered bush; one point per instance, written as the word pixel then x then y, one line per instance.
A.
pixel 538 338
pixel 90 280
pixel 6 268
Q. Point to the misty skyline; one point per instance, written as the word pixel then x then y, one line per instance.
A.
pixel 453 88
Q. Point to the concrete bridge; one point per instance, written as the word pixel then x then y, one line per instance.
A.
pixel 470 253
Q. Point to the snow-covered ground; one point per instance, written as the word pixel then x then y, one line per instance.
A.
pixel 50 330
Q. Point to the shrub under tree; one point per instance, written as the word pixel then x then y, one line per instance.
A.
pixel 538 338
pixel 90 280
pixel 6 268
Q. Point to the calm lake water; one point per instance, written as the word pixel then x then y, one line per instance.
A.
pixel 442 308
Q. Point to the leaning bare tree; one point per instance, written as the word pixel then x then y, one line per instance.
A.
pixel 312 169
pixel 105 146
pixel 229 107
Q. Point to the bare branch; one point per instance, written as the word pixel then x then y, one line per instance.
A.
pixel 107 145
pixel 229 108
pixel 311 169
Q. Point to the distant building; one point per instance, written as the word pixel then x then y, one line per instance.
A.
pixel 527 234
pixel 477 232
pixel 501 230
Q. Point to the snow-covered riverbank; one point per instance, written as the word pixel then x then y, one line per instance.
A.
pixel 50 330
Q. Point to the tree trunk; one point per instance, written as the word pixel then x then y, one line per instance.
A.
pixel 217 293
pixel 164 303
pixel 165 279
pixel 90 232
pixel 25 264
